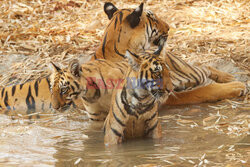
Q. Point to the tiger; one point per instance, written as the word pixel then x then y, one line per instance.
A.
pixel 138 30
pixel 32 99
pixel 134 109
pixel 28 99
pixel 134 30
pixel 89 86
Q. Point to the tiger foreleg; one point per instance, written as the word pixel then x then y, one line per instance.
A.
pixel 113 130
pixel 153 128
pixel 209 93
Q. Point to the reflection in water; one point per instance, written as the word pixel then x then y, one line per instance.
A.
pixel 192 135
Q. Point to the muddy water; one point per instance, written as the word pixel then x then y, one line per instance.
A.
pixel 207 134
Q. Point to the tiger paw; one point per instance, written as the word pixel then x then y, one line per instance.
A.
pixel 223 77
pixel 237 88
pixel 220 76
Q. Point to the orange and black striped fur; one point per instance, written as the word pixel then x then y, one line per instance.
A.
pixel 28 99
pixel 89 85
pixel 134 108
pixel 137 30
pixel 96 80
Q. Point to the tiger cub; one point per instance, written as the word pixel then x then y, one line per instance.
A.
pixel 134 106
pixel 89 86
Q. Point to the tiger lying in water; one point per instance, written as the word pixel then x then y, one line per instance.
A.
pixel 28 99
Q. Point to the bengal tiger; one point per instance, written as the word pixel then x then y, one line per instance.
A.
pixel 138 30
pixel 89 86
pixel 31 100
pixel 130 29
pixel 28 99
pixel 134 108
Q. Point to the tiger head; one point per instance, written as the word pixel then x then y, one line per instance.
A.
pixel 65 85
pixel 133 29
pixel 151 73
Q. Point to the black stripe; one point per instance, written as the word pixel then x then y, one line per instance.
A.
pixel 121 16
pixel 104 127
pixel 116 132
pixel 197 81
pixel 177 69
pixel 202 75
pixel 77 85
pixel 117 119
pixel 119 35
pixel 125 103
pixel 94 114
pixel 115 22
pixel 72 87
pixel 150 24
pixel 74 93
pixel 48 81
pixel 21 86
pixel 117 104
pixel 135 55
pixel 146 75
pixel 13 90
pixel 30 102
pixel 148 107
pixel 117 52
pixel 151 118
pixel 103 45
pixel 3 92
pixel 101 61
pixel 6 100
pixel 95 56
pixel 121 70
pixel 86 69
pixel 36 87
pixel 152 128
pixel 94 119
pixel 42 106
pixel 103 81
pixel 147 30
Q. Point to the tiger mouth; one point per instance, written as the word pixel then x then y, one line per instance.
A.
pixel 65 107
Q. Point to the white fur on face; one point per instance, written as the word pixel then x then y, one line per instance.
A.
pixel 157 67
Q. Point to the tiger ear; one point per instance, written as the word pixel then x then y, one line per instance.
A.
pixel 109 9
pixel 133 60
pixel 54 67
pixel 135 17
pixel 74 68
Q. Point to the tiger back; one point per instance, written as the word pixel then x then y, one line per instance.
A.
pixel 29 99
pixel 134 108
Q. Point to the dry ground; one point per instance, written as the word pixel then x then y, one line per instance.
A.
pixel 33 33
